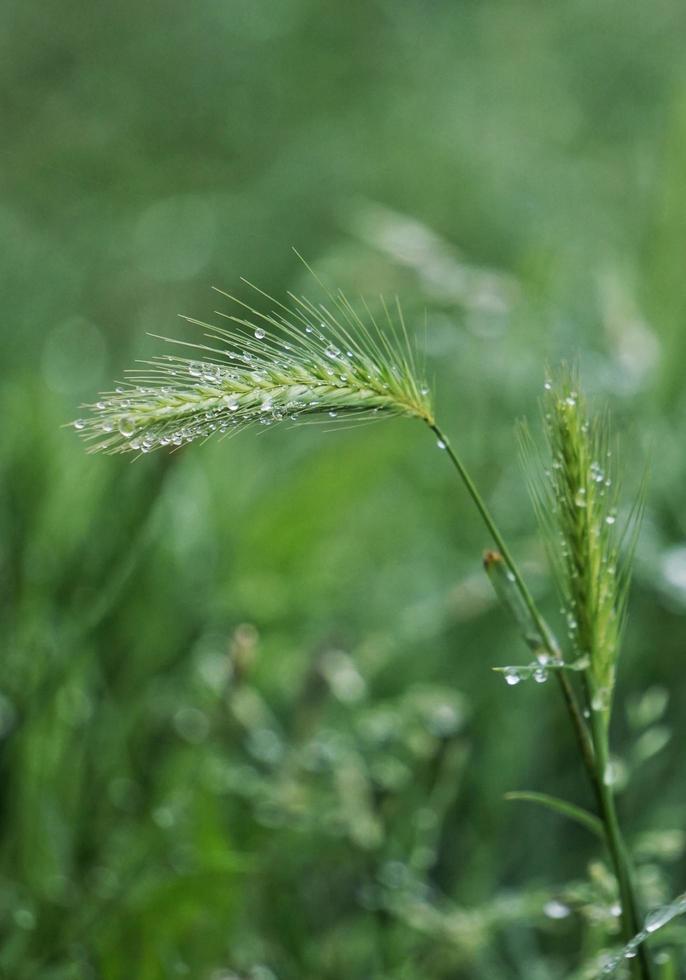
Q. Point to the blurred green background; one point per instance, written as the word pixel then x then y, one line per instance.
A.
pixel 248 725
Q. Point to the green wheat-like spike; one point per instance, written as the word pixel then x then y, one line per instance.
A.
pixel 579 507
pixel 303 362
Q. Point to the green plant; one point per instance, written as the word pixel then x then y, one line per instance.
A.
pixel 301 364
pixel 312 362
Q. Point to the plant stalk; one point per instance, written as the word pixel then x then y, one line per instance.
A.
pixel 593 745
pixel 580 728
pixel 631 923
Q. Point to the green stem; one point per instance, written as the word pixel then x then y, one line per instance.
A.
pixel 551 645
pixel 593 746
pixel 631 923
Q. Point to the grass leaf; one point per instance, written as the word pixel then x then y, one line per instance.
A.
pixel 565 809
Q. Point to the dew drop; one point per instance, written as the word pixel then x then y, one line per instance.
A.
pixel 333 414
pixel 332 351
pixel 101 406
pixel 547 385
pixel 540 675
pixel 610 774
pixel 212 372
pixel 424 390
pixel 195 369
pixel 441 444
pixel 260 334
pixel 598 476
pixel 127 426
pixel 610 519
pixel 658 918
pixel 580 499
pixel 556 910
pixel 512 676
pixel 80 424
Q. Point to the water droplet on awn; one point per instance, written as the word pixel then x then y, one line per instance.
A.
pixel 658 918
pixel 212 372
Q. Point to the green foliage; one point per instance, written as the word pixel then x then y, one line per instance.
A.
pixel 515 174
pixel 562 807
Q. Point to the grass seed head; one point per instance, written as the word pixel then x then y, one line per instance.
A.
pixel 581 503
pixel 577 504
pixel 302 362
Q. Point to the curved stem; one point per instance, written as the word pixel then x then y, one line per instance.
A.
pixel 593 745
pixel 580 729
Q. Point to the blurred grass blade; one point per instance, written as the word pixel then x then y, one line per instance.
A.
pixel 565 809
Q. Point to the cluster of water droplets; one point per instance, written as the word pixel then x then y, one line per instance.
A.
pixel 655 921
pixel 540 669
pixel 514 675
